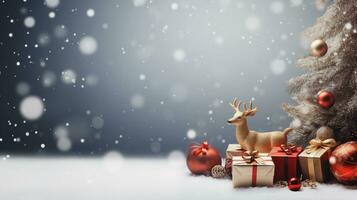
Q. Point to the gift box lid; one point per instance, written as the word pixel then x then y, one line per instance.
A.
pixel 277 152
pixel 234 147
pixel 264 157
pixel 315 153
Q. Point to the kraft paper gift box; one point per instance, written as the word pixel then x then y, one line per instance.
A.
pixel 314 160
pixel 259 172
pixel 286 162
pixel 232 150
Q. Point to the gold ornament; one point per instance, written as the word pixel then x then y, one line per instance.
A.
pixel 218 171
pixel 319 48
pixel 324 133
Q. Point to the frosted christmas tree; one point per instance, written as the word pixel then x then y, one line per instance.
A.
pixel 326 94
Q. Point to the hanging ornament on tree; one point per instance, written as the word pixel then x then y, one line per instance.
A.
pixel 318 48
pixel 202 158
pixel 325 99
pixel 343 163
pixel 321 4
pixel 324 133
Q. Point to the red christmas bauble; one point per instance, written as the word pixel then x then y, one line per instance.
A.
pixel 294 184
pixel 325 99
pixel 343 163
pixel 202 158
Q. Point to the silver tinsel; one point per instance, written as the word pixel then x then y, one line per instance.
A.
pixel 336 72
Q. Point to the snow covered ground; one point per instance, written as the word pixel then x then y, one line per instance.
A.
pixel 115 177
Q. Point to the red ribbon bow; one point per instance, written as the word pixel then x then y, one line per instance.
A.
pixel 288 149
pixel 200 148
pixel 250 156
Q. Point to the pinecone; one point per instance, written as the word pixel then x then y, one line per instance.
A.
pixel 228 167
pixel 218 171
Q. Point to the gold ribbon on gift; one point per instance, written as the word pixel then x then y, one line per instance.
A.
pixel 250 156
pixel 317 144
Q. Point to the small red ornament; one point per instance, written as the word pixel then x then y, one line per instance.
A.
pixel 325 99
pixel 294 184
pixel 343 163
pixel 202 158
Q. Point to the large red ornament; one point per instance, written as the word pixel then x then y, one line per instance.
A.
pixel 294 184
pixel 202 158
pixel 343 163
pixel 325 99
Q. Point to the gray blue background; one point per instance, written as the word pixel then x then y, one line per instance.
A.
pixel 162 70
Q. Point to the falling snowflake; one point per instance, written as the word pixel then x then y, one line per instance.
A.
pixel 48 79
pixel 90 12
pixel 278 66
pixel 142 77
pixel 296 2
pixel 219 40
pixel 31 108
pixel 29 22
pixel 43 39
pixel 23 88
pixel 137 101
pixel 179 55
pixel 97 122
pixel 64 144
pixel 51 14
pixel 253 23
pixel 88 45
pixel 52 3
pixel 139 3
pixel 60 31
pixel 277 7
pixel 69 76
pixel 191 134
pixel 174 6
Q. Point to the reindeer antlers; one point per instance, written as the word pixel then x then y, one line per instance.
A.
pixel 237 107
pixel 250 105
pixel 234 104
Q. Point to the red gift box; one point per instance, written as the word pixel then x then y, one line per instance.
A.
pixel 286 161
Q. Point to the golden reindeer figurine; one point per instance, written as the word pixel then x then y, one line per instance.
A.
pixel 252 140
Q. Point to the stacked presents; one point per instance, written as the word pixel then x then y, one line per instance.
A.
pixel 252 168
pixel 262 159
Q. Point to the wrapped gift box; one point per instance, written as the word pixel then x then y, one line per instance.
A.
pixel 286 162
pixel 315 165
pixel 232 150
pixel 259 172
